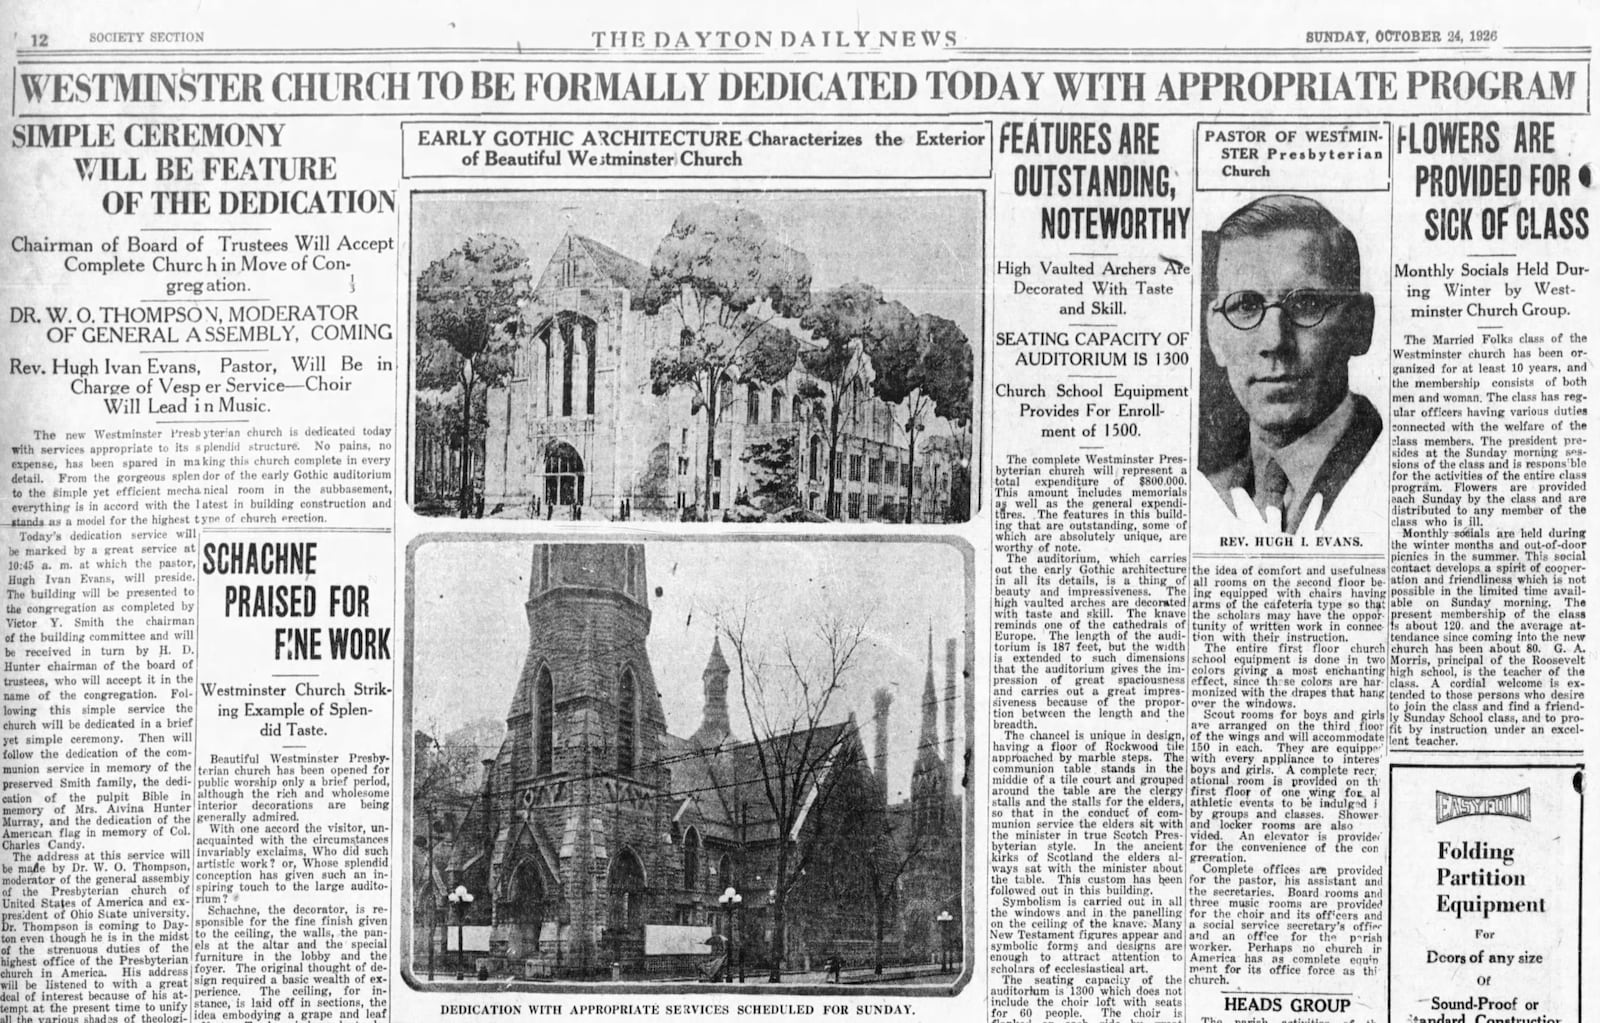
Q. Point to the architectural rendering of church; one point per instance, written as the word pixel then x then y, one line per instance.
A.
pixel 598 844
pixel 577 431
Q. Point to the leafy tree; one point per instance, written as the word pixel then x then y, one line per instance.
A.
pixel 428 448
pixel 651 491
pixel 777 473
pixel 468 306
pixel 850 321
pixel 727 281
pixel 924 365
pixel 438 430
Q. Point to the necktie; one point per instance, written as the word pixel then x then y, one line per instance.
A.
pixel 1271 485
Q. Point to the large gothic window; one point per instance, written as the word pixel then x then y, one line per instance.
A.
pixel 545 737
pixel 564 340
pixel 627 722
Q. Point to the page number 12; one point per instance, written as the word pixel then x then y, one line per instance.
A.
pixel 39 39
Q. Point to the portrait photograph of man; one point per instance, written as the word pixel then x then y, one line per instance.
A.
pixel 1284 439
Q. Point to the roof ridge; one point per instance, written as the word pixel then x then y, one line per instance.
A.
pixel 607 253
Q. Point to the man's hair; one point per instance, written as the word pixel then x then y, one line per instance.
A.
pixel 1273 213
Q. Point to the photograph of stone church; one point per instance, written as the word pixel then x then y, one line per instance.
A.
pixel 693 356
pixel 690 763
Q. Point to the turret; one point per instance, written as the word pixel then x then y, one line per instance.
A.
pixel 714 726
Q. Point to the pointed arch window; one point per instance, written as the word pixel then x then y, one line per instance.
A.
pixel 691 859
pixel 589 364
pixel 568 348
pixel 627 723
pixel 545 351
pixel 546 734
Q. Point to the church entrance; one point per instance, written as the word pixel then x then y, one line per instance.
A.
pixel 563 475
pixel 627 891
pixel 527 910
pixel 624 934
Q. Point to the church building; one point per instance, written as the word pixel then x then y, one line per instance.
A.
pixel 598 838
pixel 577 431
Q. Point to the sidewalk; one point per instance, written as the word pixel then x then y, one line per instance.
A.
pixel 921 973
pixel 927 973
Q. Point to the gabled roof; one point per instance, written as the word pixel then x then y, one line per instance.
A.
pixel 595 265
pixel 726 781
pixel 614 265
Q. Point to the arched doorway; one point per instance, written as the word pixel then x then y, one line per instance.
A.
pixel 627 891
pixel 526 908
pixel 563 475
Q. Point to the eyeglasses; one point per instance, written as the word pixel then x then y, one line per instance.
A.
pixel 1305 307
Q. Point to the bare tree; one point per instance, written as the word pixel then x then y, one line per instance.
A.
pixel 447 772
pixel 442 783
pixel 799 758
pixel 867 849
pixel 894 849
pixel 443 770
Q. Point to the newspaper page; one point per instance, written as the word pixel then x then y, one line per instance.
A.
pixel 1014 514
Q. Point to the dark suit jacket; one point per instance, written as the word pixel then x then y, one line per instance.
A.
pixel 1344 457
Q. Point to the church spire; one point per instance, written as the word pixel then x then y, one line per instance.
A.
pixel 929 741
pixel 929 778
pixel 950 710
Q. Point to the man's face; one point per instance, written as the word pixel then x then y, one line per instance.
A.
pixel 1287 377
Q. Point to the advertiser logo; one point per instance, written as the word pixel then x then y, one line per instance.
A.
pixel 1517 804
